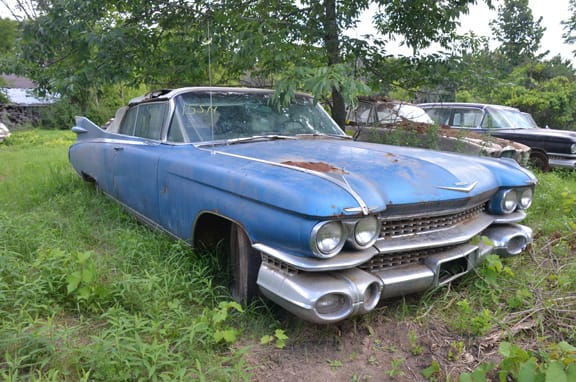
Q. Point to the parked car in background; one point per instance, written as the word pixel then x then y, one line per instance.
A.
pixel 549 148
pixel 322 225
pixel 4 132
pixel 381 120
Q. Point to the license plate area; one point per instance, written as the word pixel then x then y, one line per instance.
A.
pixel 450 266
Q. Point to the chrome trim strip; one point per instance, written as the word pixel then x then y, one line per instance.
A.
pixel 341 183
pixel 345 259
pixel 514 217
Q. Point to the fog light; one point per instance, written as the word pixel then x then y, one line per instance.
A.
pixel 332 304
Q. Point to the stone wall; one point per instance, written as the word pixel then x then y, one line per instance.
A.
pixel 15 116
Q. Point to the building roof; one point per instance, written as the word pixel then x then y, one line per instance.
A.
pixel 20 91
pixel 26 97
pixel 14 81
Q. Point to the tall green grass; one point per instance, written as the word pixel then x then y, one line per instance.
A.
pixel 86 293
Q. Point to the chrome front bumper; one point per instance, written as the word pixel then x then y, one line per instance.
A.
pixel 561 162
pixel 331 296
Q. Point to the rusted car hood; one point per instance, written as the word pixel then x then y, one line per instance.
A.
pixel 380 175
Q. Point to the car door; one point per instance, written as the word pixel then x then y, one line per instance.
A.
pixel 135 159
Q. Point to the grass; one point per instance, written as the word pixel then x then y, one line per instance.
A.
pixel 87 293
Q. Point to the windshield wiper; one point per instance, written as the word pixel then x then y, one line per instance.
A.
pixel 256 138
pixel 324 135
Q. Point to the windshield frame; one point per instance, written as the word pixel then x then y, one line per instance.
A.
pixel 236 117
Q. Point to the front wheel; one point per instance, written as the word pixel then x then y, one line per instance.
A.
pixel 539 160
pixel 245 263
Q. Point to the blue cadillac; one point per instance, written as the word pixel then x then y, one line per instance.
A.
pixel 322 225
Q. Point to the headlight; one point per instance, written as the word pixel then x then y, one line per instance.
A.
pixel 328 238
pixel 573 148
pixel 366 231
pixel 504 202
pixel 525 198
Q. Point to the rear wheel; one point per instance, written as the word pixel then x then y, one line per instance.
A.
pixel 539 160
pixel 245 263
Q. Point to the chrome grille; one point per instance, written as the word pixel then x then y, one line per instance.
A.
pixel 424 224
pixel 280 265
pixel 384 261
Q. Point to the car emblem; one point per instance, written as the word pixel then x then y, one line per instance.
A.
pixel 460 187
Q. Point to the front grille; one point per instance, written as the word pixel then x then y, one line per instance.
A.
pixel 278 264
pixel 425 224
pixel 384 261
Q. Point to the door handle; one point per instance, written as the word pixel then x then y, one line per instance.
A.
pixel 118 148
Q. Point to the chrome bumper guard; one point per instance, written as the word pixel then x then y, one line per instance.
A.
pixel 327 297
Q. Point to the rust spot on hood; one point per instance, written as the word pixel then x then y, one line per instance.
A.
pixel 315 166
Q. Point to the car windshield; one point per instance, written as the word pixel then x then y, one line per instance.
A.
pixel 508 119
pixel 392 113
pixel 203 117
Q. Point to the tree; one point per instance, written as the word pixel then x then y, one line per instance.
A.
pixel 517 31
pixel 569 25
pixel 8 31
pixel 75 46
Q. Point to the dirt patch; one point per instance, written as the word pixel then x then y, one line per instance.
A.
pixel 383 350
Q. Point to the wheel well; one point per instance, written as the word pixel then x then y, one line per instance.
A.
pixel 211 231
pixel 87 178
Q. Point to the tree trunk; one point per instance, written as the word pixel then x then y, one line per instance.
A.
pixel 332 42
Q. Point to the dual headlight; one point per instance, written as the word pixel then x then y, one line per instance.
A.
pixel 573 148
pixel 328 238
pixel 509 200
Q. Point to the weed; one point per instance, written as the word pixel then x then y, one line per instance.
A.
pixel 335 364
pixel 433 373
pixel 415 348
pixel 469 321
pixel 278 339
pixel 396 367
pixel 456 350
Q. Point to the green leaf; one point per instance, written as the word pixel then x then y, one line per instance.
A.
pixel 571 372
pixel 431 370
pixel 527 372
pixel 73 280
pixel 229 335
pixel 83 257
pixel 555 372
pixel 279 334
pixel 265 340
pixel 566 347
pixel 84 293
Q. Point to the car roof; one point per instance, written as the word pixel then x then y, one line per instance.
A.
pixel 165 94
pixel 466 104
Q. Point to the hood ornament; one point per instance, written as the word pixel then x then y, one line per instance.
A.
pixel 460 187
